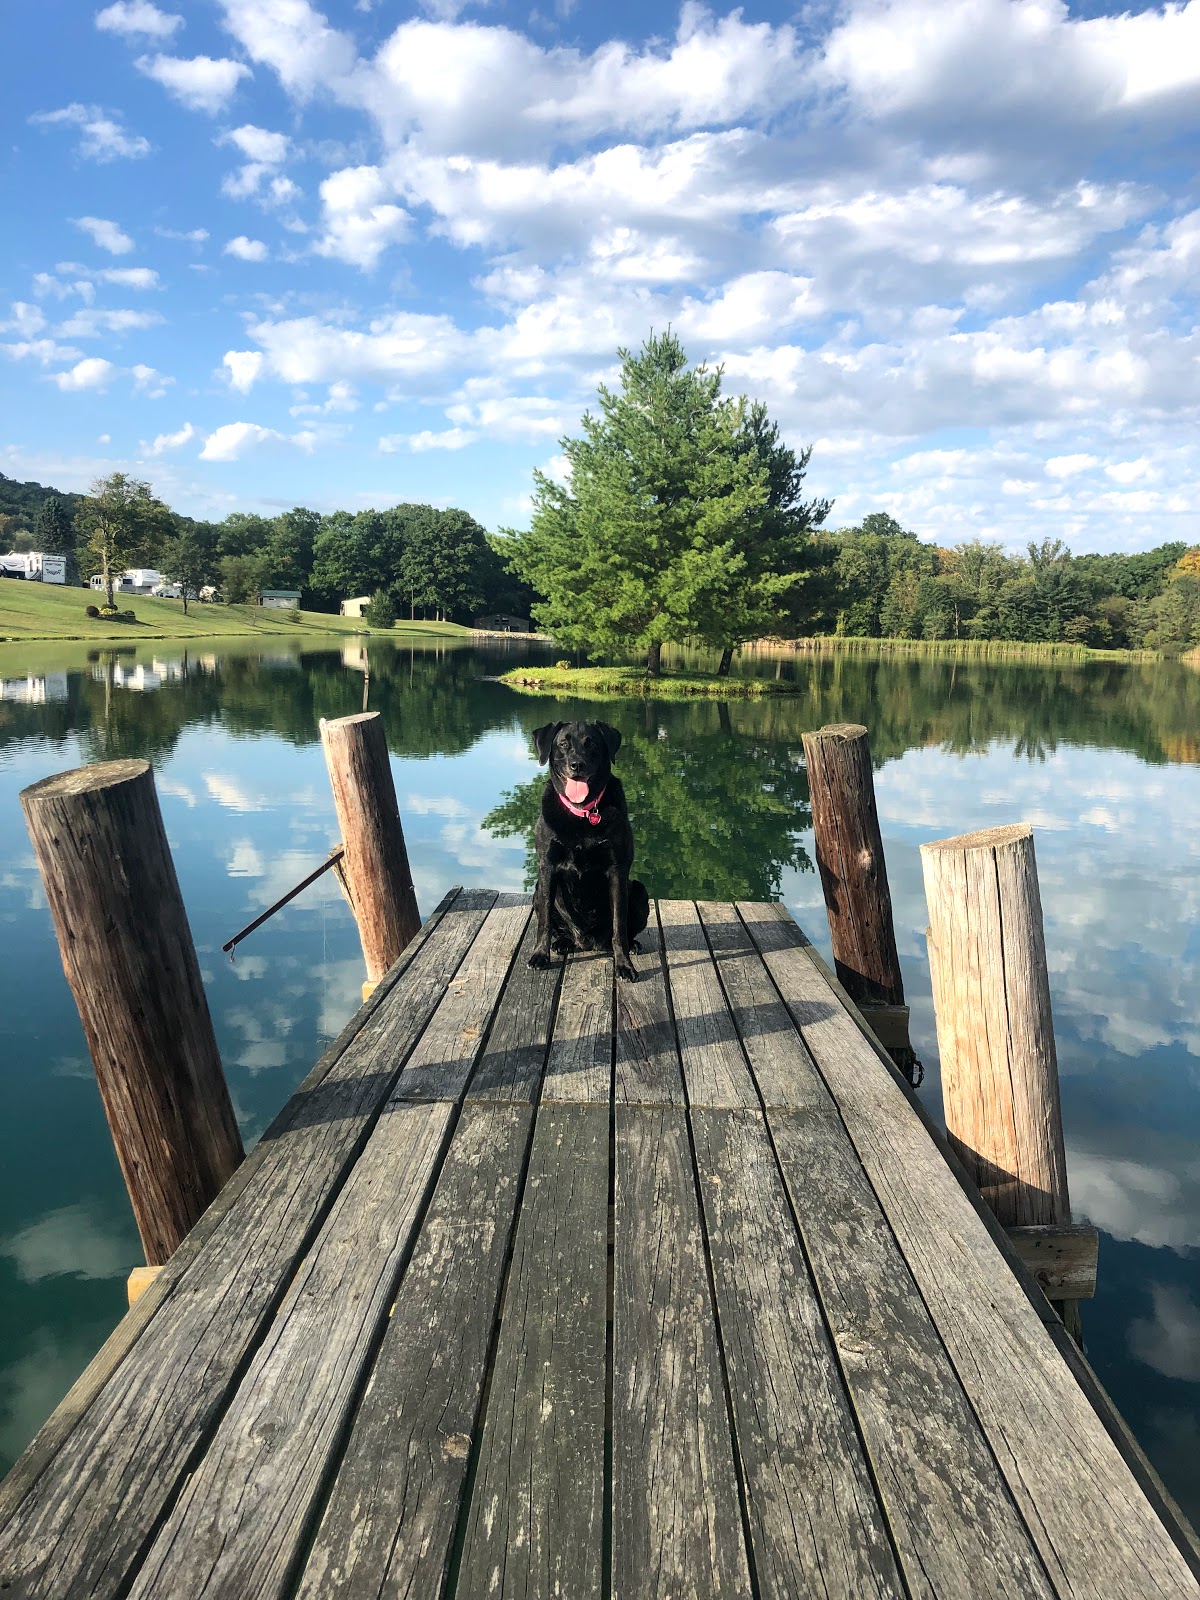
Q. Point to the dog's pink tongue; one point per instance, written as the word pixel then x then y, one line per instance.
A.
pixel 576 790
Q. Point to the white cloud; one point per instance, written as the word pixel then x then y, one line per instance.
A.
pixel 92 321
pixel 106 235
pixel 449 439
pixel 293 40
pixel 243 368
pixel 359 221
pixel 138 17
pixel 234 439
pixel 246 249
pixel 341 397
pixel 169 441
pixel 130 277
pixel 200 83
pixel 259 144
pixel 149 381
pixel 100 137
pixel 191 236
pixel 26 319
pixel 1070 466
pixel 91 373
pixel 43 351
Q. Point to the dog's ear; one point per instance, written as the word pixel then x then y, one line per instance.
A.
pixel 611 737
pixel 543 738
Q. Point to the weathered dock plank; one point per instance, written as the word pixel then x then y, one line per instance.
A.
pixel 581 1052
pixel 816 1525
pixel 646 1066
pixel 80 1530
pixel 235 1529
pixel 390 1521
pixel 954 1522
pixel 714 1068
pixel 677 1525
pixel 1093 1527
pixel 535 1522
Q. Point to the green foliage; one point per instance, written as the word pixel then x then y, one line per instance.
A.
pixel 187 560
pixel 121 524
pixel 381 613
pixel 52 525
pixel 683 516
pixel 241 578
pixel 444 553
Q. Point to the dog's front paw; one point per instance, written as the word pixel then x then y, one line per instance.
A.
pixel 539 960
pixel 625 969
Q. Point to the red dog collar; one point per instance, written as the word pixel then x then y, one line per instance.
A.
pixel 591 811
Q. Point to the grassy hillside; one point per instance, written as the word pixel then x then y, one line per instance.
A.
pixel 43 611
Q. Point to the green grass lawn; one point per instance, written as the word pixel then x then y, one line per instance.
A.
pixel 44 611
pixel 612 683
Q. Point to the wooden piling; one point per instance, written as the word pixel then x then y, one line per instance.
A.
pixel 131 965
pixel 854 881
pixel 374 870
pixel 991 992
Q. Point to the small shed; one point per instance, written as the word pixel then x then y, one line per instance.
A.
pixel 279 599
pixel 501 622
pixel 356 607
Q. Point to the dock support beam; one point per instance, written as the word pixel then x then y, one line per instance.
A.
pixel 854 882
pixel 129 959
pixel 374 870
pixel 991 993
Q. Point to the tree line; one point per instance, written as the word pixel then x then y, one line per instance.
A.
pixel 416 560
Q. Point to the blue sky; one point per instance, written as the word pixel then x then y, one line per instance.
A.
pixel 264 254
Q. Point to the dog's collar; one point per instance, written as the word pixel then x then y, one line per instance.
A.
pixel 591 811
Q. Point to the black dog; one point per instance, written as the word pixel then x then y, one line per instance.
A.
pixel 585 898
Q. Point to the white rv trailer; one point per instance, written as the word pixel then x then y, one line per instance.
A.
pixel 35 566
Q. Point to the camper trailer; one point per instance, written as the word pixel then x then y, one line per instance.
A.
pixel 34 566
pixel 136 580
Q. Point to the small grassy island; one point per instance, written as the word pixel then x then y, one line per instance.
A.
pixel 613 683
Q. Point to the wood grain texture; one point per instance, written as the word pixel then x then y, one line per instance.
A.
pixel 991 993
pixel 579 1066
pixel 510 1068
pixel 815 1524
pixel 1091 1523
pixel 849 850
pixel 389 1526
pixel 129 960
pixel 44 1447
pixel 535 1522
pixel 374 869
pixel 1062 1259
pixel 80 1528
pixel 714 1068
pixel 956 1527
pixel 954 1523
pixel 441 1063
pixel 235 1530
pixel 676 1522
pixel 646 1066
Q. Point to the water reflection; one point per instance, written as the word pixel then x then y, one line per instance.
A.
pixel 1102 758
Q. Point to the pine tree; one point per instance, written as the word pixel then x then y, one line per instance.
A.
pixel 681 518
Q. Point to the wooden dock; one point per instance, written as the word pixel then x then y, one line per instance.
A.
pixel 541 1286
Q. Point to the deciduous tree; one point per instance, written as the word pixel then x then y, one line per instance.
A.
pixel 121 523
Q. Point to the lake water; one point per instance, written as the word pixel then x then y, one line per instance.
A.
pixel 1104 760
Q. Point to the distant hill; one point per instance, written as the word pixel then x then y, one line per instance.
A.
pixel 23 499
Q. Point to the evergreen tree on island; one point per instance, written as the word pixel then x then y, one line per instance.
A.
pixel 682 518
